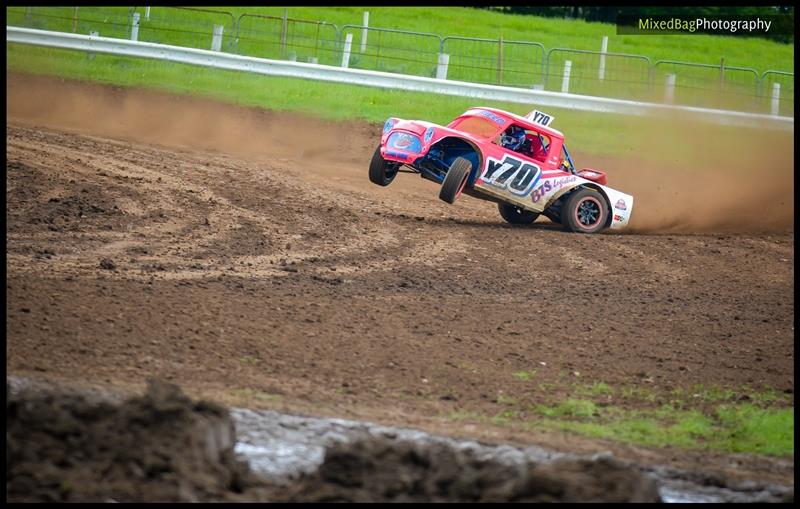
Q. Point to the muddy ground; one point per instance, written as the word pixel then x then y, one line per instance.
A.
pixel 244 255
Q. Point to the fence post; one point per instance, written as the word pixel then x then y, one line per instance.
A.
pixel 721 73
pixel 147 13
pixel 284 23
pixel 441 69
pixel 92 34
pixel 776 98
pixel 135 27
pixel 28 15
pixel 565 81
pixel 364 32
pixel 603 49
pixel 348 40
pixel 75 20
pixel 216 38
pixel 669 93
pixel 500 60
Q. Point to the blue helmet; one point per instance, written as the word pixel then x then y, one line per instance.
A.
pixel 513 138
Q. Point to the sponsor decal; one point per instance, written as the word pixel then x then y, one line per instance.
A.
pixel 551 185
pixel 618 217
pixel 621 205
pixel 491 116
pixel 511 173
pixel 588 173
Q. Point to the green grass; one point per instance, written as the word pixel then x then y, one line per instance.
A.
pixel 727 419
pixel 524 375
pixel 732 428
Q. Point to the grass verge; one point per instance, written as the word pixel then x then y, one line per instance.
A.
pixel 697 417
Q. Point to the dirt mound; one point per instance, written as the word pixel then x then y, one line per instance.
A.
pixel 158 447
pixel 379 469
pixel 66 446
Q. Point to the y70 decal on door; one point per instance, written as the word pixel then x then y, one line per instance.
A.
pixel 517 176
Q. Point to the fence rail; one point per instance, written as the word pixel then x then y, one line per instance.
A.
pixel 522 64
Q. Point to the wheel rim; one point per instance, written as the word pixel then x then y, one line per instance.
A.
pixel 588 213
pixel 463 184
pixel 390 171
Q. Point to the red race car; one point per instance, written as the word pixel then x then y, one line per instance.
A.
pixel 518 162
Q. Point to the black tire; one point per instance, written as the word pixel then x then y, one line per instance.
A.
pixel 381 171
pixel 516 215
pixel 455 180
pixel 585 211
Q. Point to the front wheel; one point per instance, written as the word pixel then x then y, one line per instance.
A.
pixel 381 171
pixel 455 179
pixel 516 215
pixel 585 211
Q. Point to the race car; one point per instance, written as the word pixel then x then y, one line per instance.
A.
pixel 521 163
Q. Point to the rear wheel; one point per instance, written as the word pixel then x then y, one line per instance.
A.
pixel 585 211
pixel 455 180
pixel 516 215
pixel 381 171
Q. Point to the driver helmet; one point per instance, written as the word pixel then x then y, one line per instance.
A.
pixel 513 138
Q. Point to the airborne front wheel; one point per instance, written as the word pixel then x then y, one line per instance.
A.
pixel 455 180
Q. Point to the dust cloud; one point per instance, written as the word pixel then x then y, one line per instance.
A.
pixel 685 176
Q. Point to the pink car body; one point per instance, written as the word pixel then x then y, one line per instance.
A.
pixel 525 184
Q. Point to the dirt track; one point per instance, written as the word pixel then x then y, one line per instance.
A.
pixel 223 249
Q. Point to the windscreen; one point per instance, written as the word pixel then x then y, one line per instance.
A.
pixel 476 125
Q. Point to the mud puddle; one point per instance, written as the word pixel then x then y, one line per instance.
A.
pixel 285 447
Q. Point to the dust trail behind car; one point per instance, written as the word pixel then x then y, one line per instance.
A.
pixel 700 177
pixel 686 177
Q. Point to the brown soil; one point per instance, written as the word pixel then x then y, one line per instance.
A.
pixel 245 256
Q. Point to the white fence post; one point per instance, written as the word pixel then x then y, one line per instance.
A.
pixel 364 32
pixel 93 33
pixel 565 81
pixel 216 39
pixel 603 50
pixel 348 40
pixel 776 98
pixel 441 69
pixel 669 92
pixel 147 13
pixel 135 27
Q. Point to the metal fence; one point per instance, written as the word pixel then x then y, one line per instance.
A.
pixel 283 38
pixel 521 64
pixel 186 26
pixel 494 61
pixel 715 86
pixel 389 50
pixel 777 100
pixel 615 75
